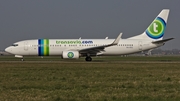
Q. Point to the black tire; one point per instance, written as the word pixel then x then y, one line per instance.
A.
pixel 88 59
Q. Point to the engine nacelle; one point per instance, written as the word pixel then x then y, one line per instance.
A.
pixel 70 54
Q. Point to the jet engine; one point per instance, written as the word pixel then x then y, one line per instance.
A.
pixel 70 54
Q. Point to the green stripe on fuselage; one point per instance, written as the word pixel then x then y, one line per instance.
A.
pixel 46 47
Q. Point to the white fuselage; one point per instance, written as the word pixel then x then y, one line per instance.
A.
pixel 57 46
pixel 151 38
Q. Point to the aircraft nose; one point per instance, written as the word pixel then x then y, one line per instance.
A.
pixel 8 49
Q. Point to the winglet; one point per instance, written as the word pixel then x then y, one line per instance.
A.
pixel 106 38
pixel 117 39
pixel 97 49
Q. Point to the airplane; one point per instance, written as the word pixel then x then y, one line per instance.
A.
pixel 151 38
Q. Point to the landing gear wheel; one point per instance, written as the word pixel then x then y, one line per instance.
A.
pixel 22 59
pixel 88 59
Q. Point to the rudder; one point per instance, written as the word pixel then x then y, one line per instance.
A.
pixel 157 27
pixel 155 30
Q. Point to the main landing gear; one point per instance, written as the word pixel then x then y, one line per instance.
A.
pixel 88 58
pixel 22 59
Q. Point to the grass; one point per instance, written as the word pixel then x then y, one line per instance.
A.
pixel 105 79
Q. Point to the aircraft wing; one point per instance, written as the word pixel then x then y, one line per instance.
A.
pixel 94 50
pixel 162 41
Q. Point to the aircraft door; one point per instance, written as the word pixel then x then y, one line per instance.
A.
pixel 140 45
pixel 26 46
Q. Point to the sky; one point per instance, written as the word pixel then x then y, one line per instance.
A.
pixel 88 19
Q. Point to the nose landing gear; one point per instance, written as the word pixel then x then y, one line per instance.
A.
pixel 20 56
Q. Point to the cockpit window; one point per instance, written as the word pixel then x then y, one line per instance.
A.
pixel 15 45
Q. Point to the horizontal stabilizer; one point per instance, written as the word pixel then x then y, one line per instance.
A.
pixel 162 41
